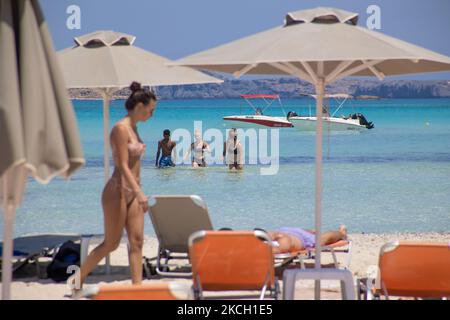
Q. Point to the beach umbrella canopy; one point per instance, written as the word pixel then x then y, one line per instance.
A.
pixel 38 129
pixel 319 45
pixel 108 61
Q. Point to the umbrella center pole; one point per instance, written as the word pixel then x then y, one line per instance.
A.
pixel 105 136
pixel 320 91
pixel 106 95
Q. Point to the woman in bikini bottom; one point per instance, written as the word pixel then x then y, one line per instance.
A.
pixel 123 201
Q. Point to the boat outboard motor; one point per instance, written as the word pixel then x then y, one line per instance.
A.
pixel 363 121
pixel 291 114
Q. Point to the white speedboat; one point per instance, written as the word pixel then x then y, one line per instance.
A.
pixel 254 121
pixel 258 120
pixel 355 121
pixel 335 124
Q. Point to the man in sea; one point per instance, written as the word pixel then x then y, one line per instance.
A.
pixel 167 146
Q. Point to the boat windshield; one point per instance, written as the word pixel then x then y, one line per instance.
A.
pixel 260 102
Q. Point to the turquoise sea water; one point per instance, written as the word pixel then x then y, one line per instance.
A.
pixel 393 178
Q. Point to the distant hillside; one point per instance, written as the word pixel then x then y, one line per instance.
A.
pixel 291 88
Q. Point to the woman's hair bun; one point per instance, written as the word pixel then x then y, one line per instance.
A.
pixel 135 86
pixel 138 94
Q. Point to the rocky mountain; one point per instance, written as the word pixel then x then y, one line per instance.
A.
pixel 288 87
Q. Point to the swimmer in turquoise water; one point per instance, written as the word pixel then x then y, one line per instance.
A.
pixel 167 146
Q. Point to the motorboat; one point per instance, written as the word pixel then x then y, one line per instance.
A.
pixel 355 121
pixel 259 119
pixel 334 124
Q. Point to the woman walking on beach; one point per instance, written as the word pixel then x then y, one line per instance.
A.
pixel 124 203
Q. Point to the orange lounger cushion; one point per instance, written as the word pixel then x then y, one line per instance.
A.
pixel 150 291
pixel 415 269
pixel 231 260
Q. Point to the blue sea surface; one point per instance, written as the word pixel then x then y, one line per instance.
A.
pixel 393 178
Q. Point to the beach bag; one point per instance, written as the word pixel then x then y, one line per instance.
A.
pixel 67 255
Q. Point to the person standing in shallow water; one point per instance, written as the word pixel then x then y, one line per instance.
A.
pixel 124 203
pixel 198 149
pixel 167 146
pixel 232 151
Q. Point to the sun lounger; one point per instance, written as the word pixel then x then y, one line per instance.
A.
pixel 232 260
pixel 419 270
pixel 146 291
pixel 299 257
pixel 174 219
pixel 30 248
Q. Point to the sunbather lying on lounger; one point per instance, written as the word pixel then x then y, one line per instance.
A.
pixel 289 239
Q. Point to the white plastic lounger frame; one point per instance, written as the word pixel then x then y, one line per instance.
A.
pixel 284 259
pixel 336 250
pixel 162 266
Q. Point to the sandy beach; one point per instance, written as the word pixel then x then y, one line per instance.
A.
pixel 225 116
pixel 365 254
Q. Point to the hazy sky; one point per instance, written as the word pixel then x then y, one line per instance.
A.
pixel 176 28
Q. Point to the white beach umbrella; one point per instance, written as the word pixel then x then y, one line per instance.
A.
pixel 320 46
pixel 38 130
pixel 108 61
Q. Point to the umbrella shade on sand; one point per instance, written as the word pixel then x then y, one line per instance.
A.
pixel 108 61
pixel 319 45
pixel 38 129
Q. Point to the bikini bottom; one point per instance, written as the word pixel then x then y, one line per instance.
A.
pixel 124 191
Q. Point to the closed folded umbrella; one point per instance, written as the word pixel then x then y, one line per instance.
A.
pixel 38 129
pixel 108 61
pixel 319 45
